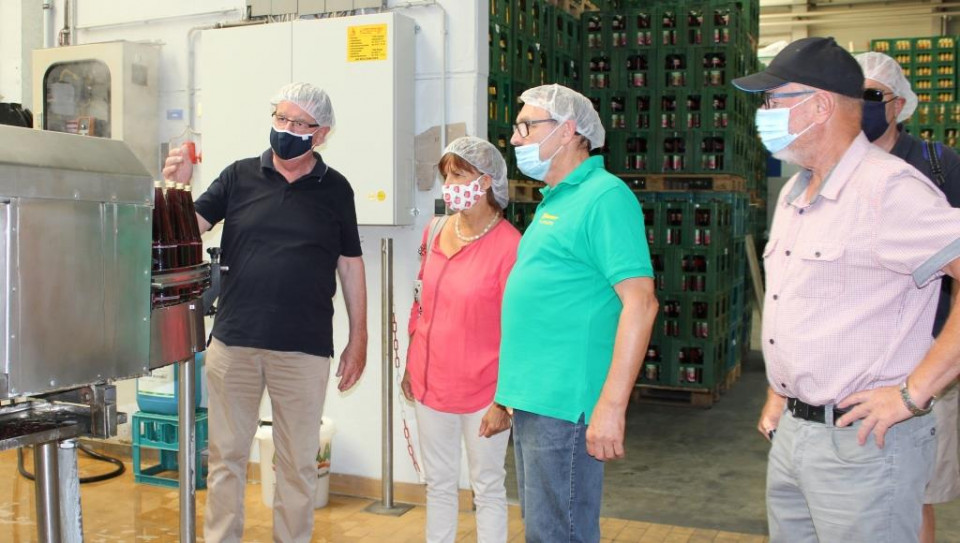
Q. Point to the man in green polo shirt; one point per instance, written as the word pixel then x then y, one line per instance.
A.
pixel 578 311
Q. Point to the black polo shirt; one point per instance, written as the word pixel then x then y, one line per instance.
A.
pixel 911 150
pixel 281 242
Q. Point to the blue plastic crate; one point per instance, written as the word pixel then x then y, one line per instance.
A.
pixel 161 432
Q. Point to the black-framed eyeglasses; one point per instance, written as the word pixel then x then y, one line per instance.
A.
pixel 281 120
pixel 523 127
pixel 876 95
pixel 769 97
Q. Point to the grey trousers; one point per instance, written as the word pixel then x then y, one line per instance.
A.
pixel 822 486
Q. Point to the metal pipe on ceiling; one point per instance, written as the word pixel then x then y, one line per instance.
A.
pixel 808 22
pixel 819 14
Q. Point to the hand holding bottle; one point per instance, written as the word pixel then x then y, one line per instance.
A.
pixel 178 166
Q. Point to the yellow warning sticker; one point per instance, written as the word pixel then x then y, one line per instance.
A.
pixel 366 42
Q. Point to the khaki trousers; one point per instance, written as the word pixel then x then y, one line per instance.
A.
pixel 297 383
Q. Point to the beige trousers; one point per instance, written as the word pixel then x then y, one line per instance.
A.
pixel 297 383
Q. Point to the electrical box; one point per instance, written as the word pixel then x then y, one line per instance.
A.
pixel 106 90
pixel 365 63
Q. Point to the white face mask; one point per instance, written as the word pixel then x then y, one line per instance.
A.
pixel 773 125
pixel 462 197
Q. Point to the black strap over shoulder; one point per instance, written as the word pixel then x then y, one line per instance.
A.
pixel 932 151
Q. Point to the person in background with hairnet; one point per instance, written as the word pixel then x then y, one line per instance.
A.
pixel 578 312
pixel 290 227
pixel 888 101
pixel 454 346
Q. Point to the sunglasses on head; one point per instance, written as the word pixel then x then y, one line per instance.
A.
pixel 874 95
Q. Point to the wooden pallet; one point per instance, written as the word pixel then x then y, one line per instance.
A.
pixel 686 183
pixel 694 397
pixel 732 377
pixel 574 7
pixel 524 191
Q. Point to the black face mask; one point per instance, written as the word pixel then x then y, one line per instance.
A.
pixel 874 122
pixel 287 145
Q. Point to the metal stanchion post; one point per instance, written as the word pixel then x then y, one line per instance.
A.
pixel 187 458
pixel 46 472
pixel 387 507
pixel 71 515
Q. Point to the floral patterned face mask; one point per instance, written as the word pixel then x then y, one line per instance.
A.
pixel 461 197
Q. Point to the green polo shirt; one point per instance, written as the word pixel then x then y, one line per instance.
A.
pixel 560 312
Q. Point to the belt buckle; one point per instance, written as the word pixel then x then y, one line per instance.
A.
pixel 801 410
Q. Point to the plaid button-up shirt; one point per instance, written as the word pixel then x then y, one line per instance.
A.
pixel 853 276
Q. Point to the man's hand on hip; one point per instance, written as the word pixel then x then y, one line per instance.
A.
pixel 879 408
pixel 605 432
pixel 352 362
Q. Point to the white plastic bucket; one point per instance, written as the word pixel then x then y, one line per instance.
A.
pixel 268 478
pixel 327 429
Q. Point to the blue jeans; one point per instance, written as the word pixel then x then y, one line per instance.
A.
pixel 560 484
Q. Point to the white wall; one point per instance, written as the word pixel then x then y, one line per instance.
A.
pixel 356 414
pixel 10 52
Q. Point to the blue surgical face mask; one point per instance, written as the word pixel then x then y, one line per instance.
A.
pixel 874 122
pixel 287 145
pixel 528 158
pixel 773 125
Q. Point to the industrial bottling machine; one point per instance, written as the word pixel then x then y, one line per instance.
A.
pixel 77 308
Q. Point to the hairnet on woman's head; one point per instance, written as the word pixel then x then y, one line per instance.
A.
pixel 564 104
pixel 309 98
pixel 482 155
pixel 886 70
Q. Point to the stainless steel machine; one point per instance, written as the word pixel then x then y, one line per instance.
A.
pixel 76 313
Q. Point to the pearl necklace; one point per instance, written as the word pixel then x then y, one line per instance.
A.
pixel 469 239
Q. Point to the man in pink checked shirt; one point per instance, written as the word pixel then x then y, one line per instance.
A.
pixel 859 243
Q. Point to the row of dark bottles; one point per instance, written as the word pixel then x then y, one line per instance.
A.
pixel 176 234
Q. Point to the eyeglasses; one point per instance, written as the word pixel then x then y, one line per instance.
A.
pixel 279 120
pixel 770 97
pixel 876 95
pixel 523 127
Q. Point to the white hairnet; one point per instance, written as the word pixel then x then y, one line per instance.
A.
pixel 482 155
pixel 886 70
pixel 564 104
pixel 309 98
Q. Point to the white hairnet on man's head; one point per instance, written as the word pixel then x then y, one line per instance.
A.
pixel 886 70
pixel 564 104
pixel 309 98
pixel 482 155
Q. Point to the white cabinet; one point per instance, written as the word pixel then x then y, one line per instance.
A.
pixel 366 65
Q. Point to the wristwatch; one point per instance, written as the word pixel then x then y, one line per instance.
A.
pixel 908 401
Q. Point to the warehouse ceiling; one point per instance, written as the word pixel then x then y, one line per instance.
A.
pixel 855 22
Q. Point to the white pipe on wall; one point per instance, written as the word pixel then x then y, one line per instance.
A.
pixel 48 24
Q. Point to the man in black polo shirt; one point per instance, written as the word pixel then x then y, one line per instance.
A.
pixel 289 224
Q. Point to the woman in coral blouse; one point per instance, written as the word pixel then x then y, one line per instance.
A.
pixel 453 357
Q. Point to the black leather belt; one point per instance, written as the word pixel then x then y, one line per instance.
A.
pixel 813 413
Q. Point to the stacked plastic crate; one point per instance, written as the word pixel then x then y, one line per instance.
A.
pixel 930 63
pixel 697 247
pixel 532 42
pixel 660 76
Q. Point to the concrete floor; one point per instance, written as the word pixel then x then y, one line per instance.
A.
pixel 703 468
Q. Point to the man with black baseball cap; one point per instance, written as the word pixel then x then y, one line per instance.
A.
pixel 859 243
